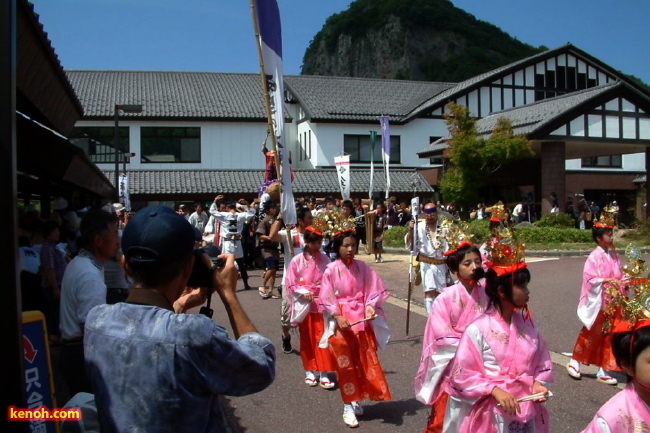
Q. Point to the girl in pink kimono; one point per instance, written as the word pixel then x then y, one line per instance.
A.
pixel 501 358
pixel 451 313
pixel 303 280
pixel 628 410
pixel 352 295
pixel 593 346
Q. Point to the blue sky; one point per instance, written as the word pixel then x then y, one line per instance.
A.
pixel 217 35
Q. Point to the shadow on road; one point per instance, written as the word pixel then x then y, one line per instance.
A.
pixel 392 412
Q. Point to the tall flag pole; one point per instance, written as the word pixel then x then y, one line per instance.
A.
pixel 268 32
pixel 385 148
pixel 373 139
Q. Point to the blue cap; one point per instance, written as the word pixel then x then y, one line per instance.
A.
pixel 156 235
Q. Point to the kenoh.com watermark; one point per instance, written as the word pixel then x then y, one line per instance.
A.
pixel 42 414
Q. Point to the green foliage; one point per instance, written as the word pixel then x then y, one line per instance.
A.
pixel 394 237
pixel 472 158
pixel 559 220
pixel 479 230
pixel 552 235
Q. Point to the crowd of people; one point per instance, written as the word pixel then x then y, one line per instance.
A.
pixel 114 288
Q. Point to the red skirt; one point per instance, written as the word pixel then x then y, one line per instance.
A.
pixel 313 357
pixel 359 373
pixel 594 346
pixel 437 417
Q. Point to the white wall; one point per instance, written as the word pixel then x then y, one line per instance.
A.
pixel 223 144
pixel 414 137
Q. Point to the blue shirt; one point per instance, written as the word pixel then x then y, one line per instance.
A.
pixel 153 370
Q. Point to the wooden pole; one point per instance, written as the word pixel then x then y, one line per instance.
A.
pixel 267 99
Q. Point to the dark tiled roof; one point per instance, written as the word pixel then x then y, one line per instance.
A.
pixel 436 146
pixel 319 181
pixel 360 99
pixel 528 118
pixel 171 94
pixel 239 96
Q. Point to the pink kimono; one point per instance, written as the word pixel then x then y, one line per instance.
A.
pixel 593 345
pixel 347 291
pixel 304 275
pixel 625 412
pixel 490 354
pixel 451 313
pixel 599 265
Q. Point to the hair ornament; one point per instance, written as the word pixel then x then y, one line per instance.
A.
pixel 634 301
pixel 457 236
pixel 606 219
pixel 498 212
pixel 331 223
pixel 505 254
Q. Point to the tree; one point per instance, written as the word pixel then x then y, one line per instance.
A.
pixel 472 158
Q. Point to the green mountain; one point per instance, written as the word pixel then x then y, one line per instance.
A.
pixel 429 40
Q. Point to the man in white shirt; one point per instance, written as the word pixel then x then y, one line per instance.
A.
pixel 516 211
pixel 430 246
pixel 82 289
pixel 199 218
pixel 293 243
pixel 232 225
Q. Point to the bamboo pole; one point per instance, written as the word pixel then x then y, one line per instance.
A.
pixel 267 100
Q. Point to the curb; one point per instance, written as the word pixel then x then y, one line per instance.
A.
pixel 536 253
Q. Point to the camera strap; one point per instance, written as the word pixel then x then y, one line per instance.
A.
pixel 206 310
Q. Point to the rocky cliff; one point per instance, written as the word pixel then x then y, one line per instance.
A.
pixel 428 40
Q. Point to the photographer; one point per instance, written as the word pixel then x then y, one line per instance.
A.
pixel 154 369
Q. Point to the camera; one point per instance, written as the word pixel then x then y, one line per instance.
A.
pixel 201 275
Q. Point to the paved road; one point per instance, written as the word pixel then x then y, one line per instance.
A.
pixel 290 405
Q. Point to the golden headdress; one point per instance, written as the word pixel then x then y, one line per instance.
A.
pixel 457 237
pixel 505 254
pixel 606 219
pixel 331 223
pixel 635 301
pixel 498 212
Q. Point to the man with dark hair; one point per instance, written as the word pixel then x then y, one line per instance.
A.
pixel 82 289
pixel 156 369
pixel 269 250
pixel 233 222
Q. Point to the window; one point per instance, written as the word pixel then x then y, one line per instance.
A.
pixel 611 161
pixel 97 142
pixel 358 147
pixel 159 144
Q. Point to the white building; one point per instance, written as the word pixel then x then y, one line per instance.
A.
pixel 587 123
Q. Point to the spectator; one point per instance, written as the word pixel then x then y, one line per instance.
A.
pixel 516 212
pixel 582 208
pixel 555 204
pixel 53 265
pixel 403 215
pixel 269 249
pixel 199 218
pixel 360 223
pixel 171 367
pixel 82 289
pixel 379 227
